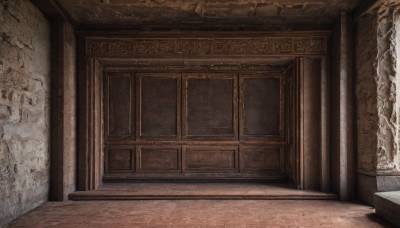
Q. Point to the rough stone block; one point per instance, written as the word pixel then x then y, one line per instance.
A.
pixel 24 108
pixel 388 183
pixel 366 187
pixel 369 185
pixel 387 206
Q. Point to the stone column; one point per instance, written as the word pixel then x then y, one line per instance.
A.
pixel 378 99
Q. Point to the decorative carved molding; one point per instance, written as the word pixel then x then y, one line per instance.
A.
pixel 109 47
pixel 310 45
pixel 206 46
pixel 200 68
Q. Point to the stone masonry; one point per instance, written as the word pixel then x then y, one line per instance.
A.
pixel 378 99
pixel 24 108
pixel 387 79
pixel 378 96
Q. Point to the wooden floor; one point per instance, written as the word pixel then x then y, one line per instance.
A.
pixel 201 213
pixel 139 191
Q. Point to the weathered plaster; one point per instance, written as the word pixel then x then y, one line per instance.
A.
pixel 24 108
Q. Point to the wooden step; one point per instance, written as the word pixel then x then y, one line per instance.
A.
pixel 203 191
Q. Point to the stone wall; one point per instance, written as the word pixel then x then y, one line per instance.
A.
pixel 24 108
pixel 378 96
pixel 378 99
pixel 388 101
pixel 366 91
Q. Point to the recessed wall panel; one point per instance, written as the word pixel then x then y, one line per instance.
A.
pixel 119 105
pixel 261 158
pixel 159 105
pixel 119 160
pixel 211 159
pixel 261 106
pixel 210 106
pixel 160 158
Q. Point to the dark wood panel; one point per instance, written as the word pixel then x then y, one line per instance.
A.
pixel 119 105
pixel 159 158
pixel 312 123
pixel 291 122
pixel 261 106
pixel 210 106
pixel 119 159
pixel 261 158
pixel 159 106
pixel 210 159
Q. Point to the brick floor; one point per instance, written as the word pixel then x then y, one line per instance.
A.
pixel 201 213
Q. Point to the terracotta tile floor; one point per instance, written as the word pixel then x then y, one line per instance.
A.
pixel 201 213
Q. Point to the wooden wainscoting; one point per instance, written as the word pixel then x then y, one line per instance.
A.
pixel 199 125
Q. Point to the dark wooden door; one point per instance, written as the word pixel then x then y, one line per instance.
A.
pixel 198 125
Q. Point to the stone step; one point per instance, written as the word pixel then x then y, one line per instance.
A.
pixel 387 206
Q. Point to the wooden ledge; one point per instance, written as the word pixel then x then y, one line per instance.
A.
pixel 202 191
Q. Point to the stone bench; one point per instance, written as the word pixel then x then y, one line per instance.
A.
pixel 387 206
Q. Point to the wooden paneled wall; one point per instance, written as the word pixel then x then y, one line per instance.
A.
pixel 198 106
pixel 194 125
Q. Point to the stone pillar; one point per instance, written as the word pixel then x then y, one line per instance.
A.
pixel 342 109
pixel 378 99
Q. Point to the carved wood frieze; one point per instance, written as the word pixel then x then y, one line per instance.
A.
pixel 199 68
pixel 310 45
pixel 297 45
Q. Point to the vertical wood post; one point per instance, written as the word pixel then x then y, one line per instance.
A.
pixel 325 126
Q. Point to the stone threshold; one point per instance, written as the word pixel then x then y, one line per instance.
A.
pixel 196 191
pixel 387 206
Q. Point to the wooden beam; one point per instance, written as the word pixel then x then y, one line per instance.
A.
pixel 56 116
pixel 325 126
